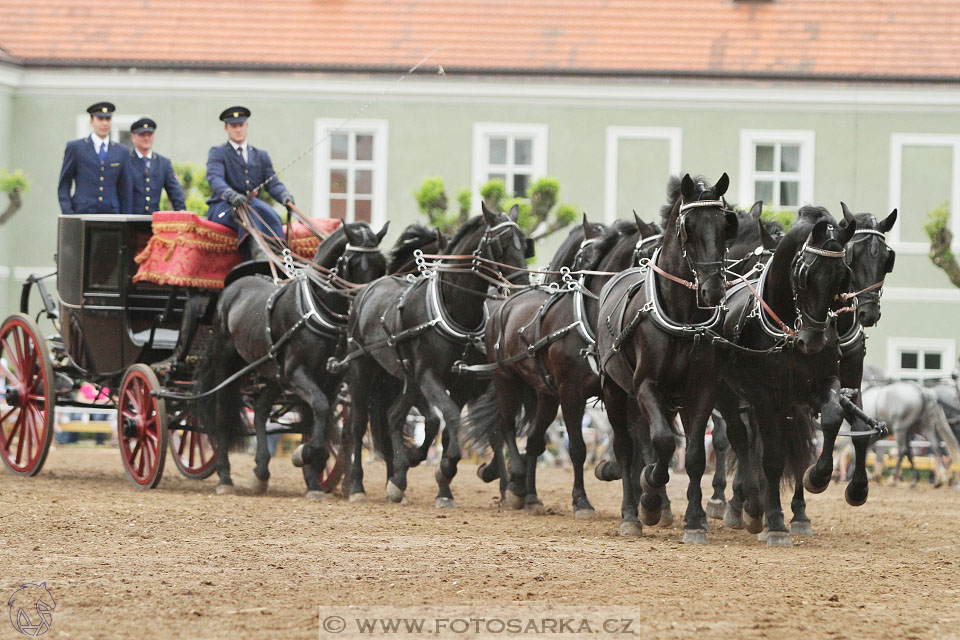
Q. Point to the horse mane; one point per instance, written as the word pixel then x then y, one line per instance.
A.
pixel 414 237
pixel 469 227
pixel 673 194
pixel 331 248
pixel 575 237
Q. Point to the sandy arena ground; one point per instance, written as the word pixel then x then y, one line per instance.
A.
pixel 180 562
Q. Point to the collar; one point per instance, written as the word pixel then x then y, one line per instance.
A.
pixel 97 140
pixel 149 155
pixel 238 146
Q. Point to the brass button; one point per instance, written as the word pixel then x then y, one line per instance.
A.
pixel 148 179
pixel 148 198
pixel 101 178
pixel 101 167
pixel 100 198
pixel 247 181
pixel 148 188
pixel 101 188
pixel 246 171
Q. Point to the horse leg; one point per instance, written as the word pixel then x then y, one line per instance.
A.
pixel 655 476
pixel 915 479
pixel 746 489
pixel 623 448
pixel 695 417
pixel 718 502
pixel 312 454
pixel 512 470
pixel 573 420
pixel 773 464
pixel 396 419
pixel 435 393
pixel 353 449
pixel 431 427
pixel 800 522
pixel 536 443
pixel 858 488
pixel 817 477
pixel 261 472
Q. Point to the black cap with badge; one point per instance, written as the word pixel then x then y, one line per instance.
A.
pixel 102 109
pixel 233 115
pixel 143 125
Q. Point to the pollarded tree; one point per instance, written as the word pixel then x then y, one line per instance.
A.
pixel 940 240
pixel 14 185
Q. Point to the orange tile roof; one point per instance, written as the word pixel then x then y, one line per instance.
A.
pixel 794 38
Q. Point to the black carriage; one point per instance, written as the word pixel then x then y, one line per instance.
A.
pixel 138 342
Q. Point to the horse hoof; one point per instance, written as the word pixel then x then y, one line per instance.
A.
pixel 852 499
pixel 778 539
pixel 666 519
pixel 732 518
pixel 535 509
pixel 808 482
pixel 630 528
pixel 754 525
pixel 584 514
pixel 481 469
pixel 394 493
pixel 515 502
pixel 445 503
pixel 258 486
pixel 649 518
pixel 801 528
pixel 297 457
pixel 645 484
pixel 360 496
pixel 319 496
pixel 694 536
pixel 225 490
pixel 762 536
pixel 715 508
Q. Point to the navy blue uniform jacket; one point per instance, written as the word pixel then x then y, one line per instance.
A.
pixel 148 184
pixel 99 187
pixel 227 173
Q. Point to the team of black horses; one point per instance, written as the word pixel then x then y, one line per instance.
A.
pixel 711 311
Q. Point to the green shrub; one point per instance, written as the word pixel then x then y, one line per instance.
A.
pixel 15 181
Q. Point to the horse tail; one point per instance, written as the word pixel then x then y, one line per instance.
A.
pixel 219 414
pixel 799 446
pixel 480 420
pixel 382 390
pixel 941 428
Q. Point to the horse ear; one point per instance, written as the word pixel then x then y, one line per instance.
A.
pixel 489 216
pixel 382 232
pixel 766 239
pixel 846 232
pixel 514 214
pixel 756 210
pixel 586 225
pixel 819 232
pixel 353 236
pixel 887 223
pixel 687 187
pixel 722 185
pixel 847 215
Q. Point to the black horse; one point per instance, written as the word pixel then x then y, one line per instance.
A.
pixel 786 370
pixel 405 337
pixel 300 323
pixel 651 324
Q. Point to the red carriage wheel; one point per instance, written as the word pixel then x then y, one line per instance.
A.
pixel 27 396
pixel 332 473
pixel 141 427
pixel 194 453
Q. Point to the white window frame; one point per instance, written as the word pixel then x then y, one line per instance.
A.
pixel 118 124
pixel 750 138
pixel 482 132
pixel 324 128
pixel 897 142
pixel 946 346
pixel 673 136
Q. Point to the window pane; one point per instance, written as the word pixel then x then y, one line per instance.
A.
pixel 764 191
pixel 520 184
pixel 764 157
pixel 338 208
pixel 498 176
pixel 498 151
pixel 364 146
pixel 789 194
pixel 339 143
pixel 790 158
pixel 931 361
pixel 362 210
pixel 523 151
pixel 338 180
pixel 363 181
pixel 908 359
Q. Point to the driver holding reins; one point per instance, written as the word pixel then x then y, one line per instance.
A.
pixel 234 170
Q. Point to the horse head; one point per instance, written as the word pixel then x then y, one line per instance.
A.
pixel 701 223
pixel 870 260
pixel 504 243
pixel 353 251
pixel 572 250
pixel 818 274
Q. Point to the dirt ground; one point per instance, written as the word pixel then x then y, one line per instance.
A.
pixel 181 562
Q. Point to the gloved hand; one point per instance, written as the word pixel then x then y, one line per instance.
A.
pixel 288 200
pixel 237 199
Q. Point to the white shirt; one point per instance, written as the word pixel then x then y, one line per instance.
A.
pixel 98 142
pixel 239 146
pixel 149 155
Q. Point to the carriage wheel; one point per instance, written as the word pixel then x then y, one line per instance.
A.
pixel 194 453
pixel 27 396
pixel 332 473
pixel 141 427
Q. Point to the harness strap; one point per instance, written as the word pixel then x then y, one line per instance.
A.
pixel 770 312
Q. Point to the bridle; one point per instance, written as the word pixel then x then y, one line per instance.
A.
pixel 491 243
pixel 800 273
pixel 642 245
pixel 701 266
pixel 888 267
pixel 343 261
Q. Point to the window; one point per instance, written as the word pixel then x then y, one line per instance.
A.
pixel 119 131
pixel 514 153
pixel 351 171
pixel 920 358
pixel 776 167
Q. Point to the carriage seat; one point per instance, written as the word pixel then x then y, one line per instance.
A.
pixel 165 339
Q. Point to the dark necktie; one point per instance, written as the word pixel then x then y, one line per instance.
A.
pixel 240 153
pixel 146 163
pixel 103 152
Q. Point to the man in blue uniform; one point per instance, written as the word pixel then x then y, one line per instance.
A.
pixel 150 172
pixel 97 169
pixel 235 170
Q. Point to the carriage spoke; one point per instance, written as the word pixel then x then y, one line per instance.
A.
pixel 200 447
pixel 19 354
pixel 4 417
pixel 20 422
pixel 5 371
